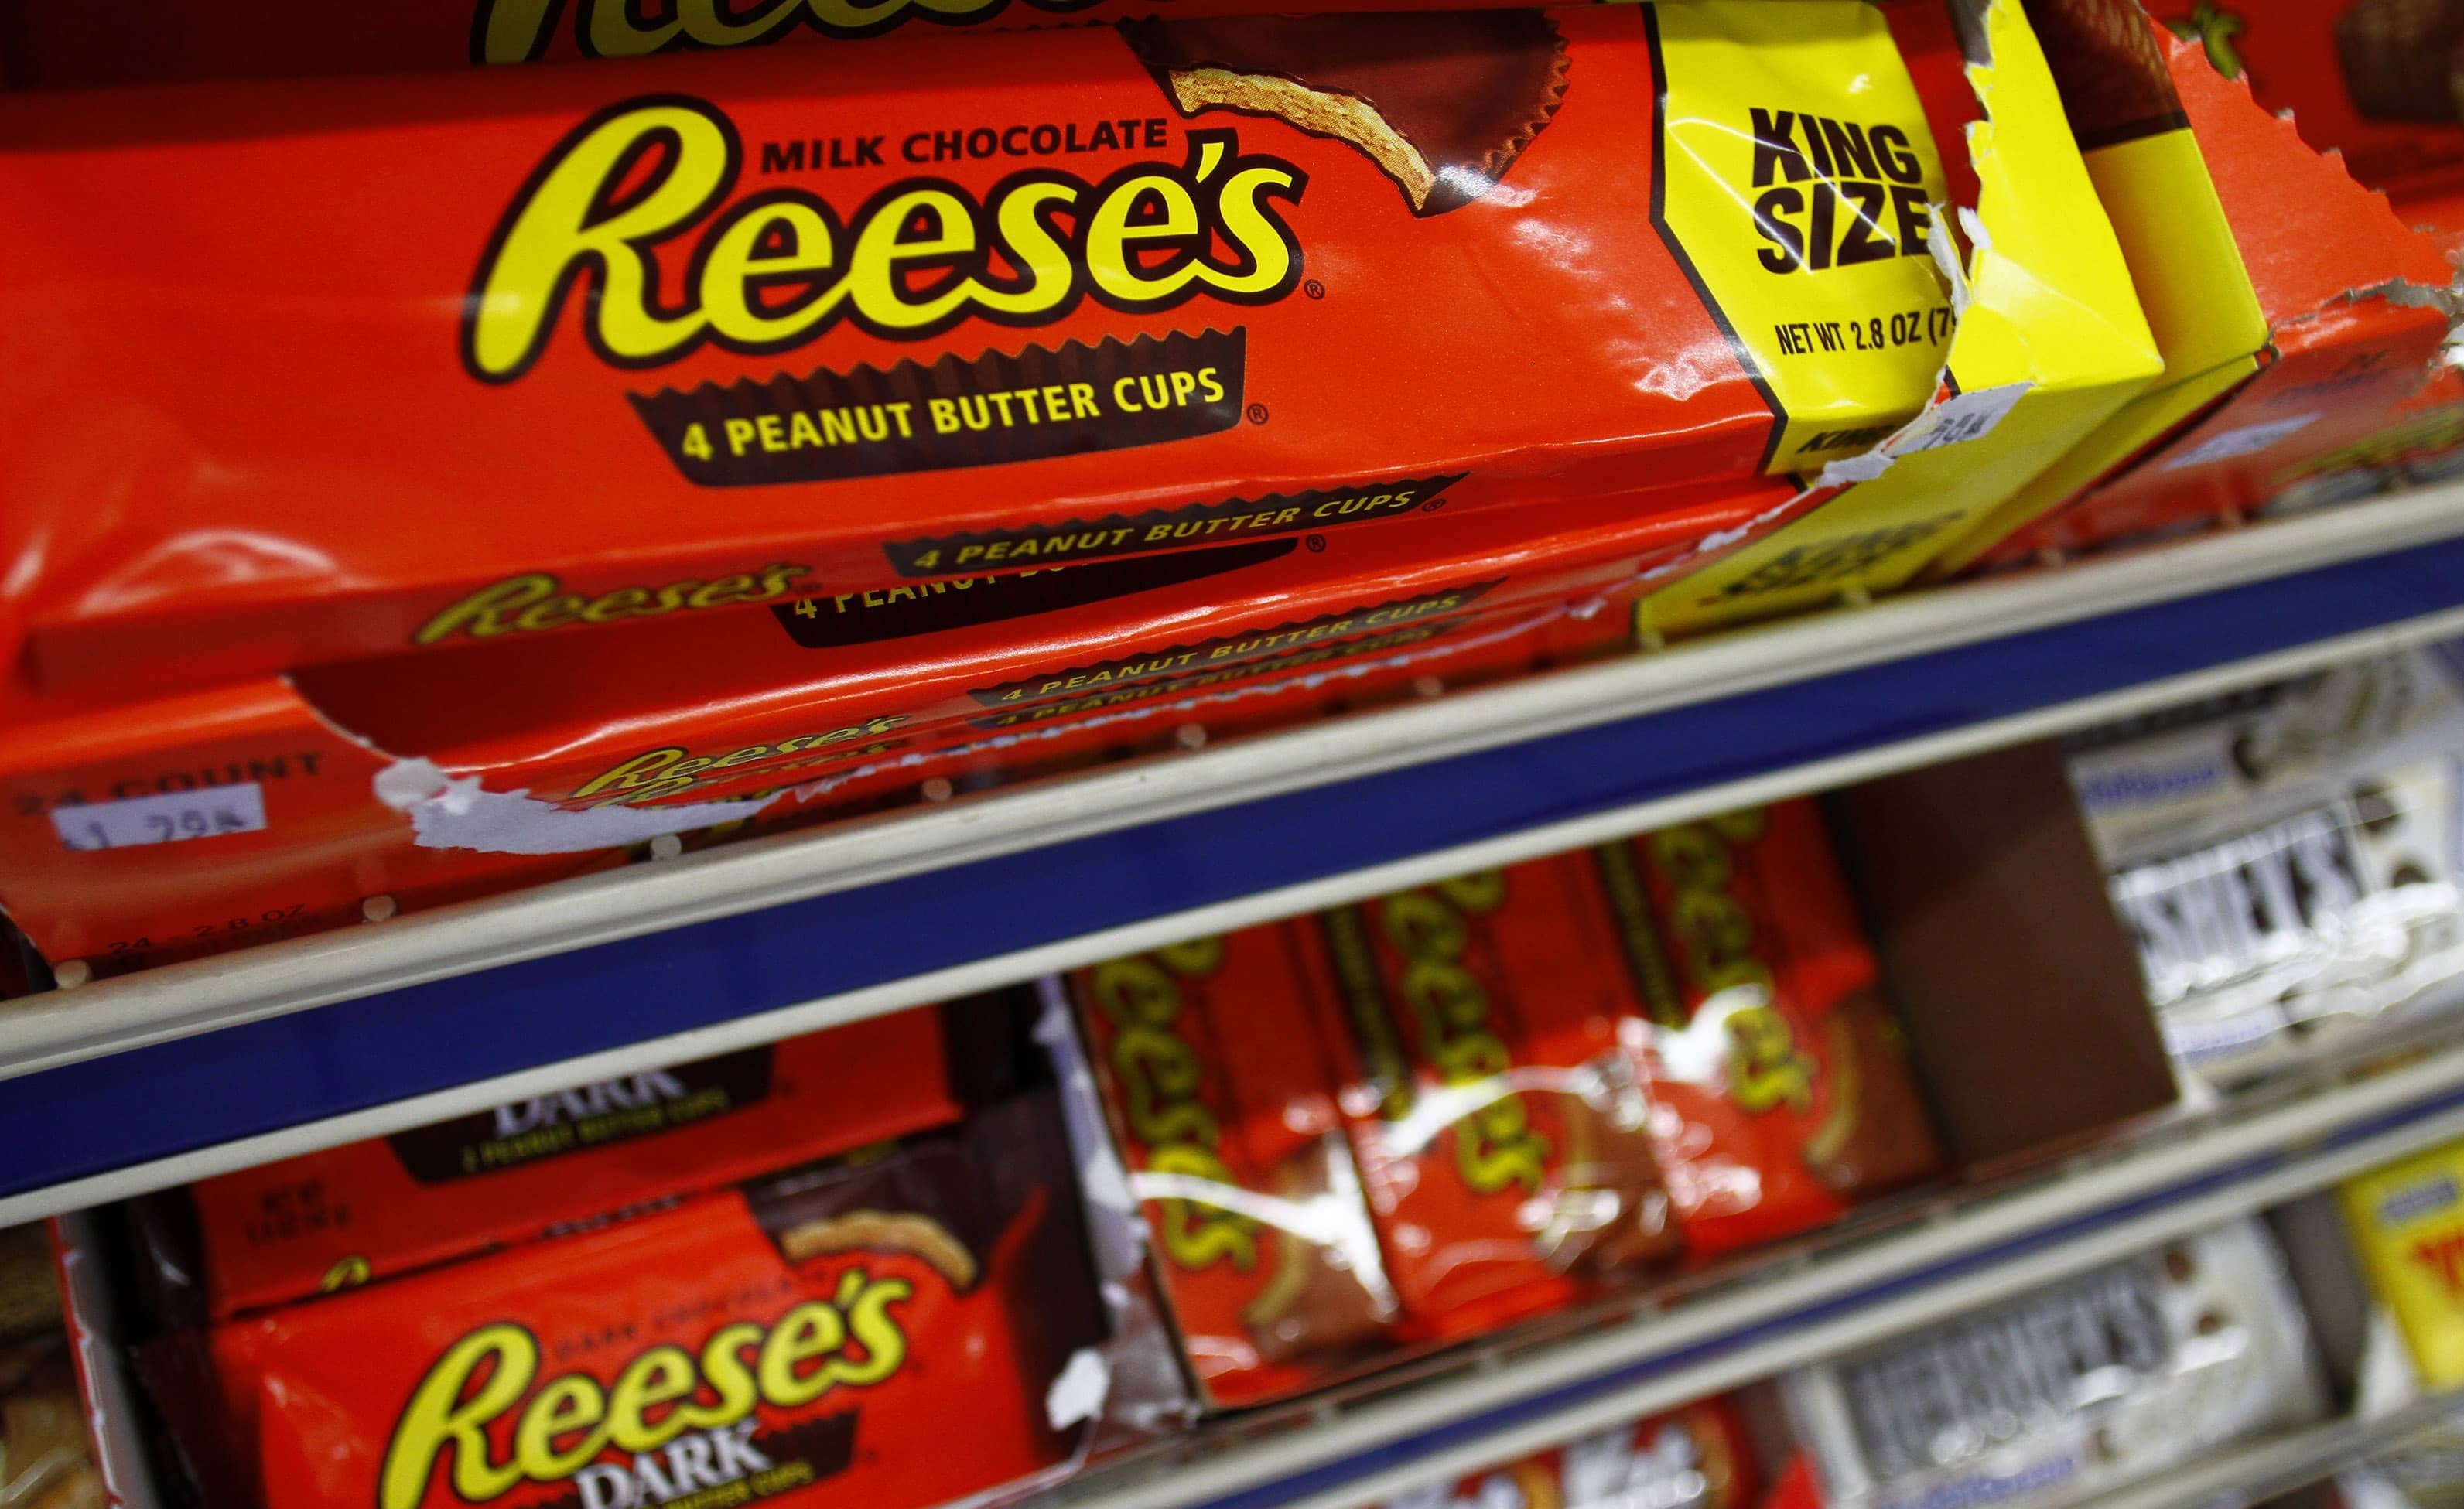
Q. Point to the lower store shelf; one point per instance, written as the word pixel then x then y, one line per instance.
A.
pixel 180 1072
pixel 2261 1469
pixel 1886 1275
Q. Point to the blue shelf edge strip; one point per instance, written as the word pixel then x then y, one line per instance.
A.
pixel 133 1108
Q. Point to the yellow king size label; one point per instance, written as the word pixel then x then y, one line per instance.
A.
pixel 1795 183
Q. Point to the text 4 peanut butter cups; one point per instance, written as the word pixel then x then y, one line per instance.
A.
pixel 510 352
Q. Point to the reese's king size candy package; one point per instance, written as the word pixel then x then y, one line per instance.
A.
pixel 2349 296
pixel 507 353
pixel 48 47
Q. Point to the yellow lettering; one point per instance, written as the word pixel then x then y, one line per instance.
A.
pixel 567 1405
pixel 661 1375
pixel 482 611
pixel 439 1417
pixel 564 226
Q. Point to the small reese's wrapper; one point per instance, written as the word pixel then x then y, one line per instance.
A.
pixel 821 1335
pixel 1224 1112
pixel 671 338
pixel 371 1210
pixel 1487 1074
pixel 1779 1082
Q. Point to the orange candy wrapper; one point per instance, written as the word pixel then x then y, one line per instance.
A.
pixel 52 46
pixel 394 776
pixel 1780 1090
pixel 1553 1078
pixel 2351 287
pixel 816 1337
pixel 689 334
pixel 1488 1079
pixel 1223 1112
pixel 365 1210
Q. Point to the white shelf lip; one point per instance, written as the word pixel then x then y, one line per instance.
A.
pixel 2043 1232
pixel 182 999
pixel 2275 1463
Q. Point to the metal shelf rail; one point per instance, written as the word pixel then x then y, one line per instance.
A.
pixel 1927 1265
pixel 2261 1469
pixel 189 1070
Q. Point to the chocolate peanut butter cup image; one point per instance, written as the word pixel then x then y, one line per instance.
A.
pixel 2105 56
pixel 2397 55
pixel 1442 102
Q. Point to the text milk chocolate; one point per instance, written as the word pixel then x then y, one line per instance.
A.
pixel 189 824
pixel 661 340
pixel 1224 1112
pixel 1780 1087
pixel 1487 1071
pixel 825 1335
pixel 370 1209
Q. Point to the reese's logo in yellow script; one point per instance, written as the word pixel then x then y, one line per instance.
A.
pixel 1496 1146
pixel 654 179
pixel 521 31
pixel 1715 937
pixel 1162 1094
pixel 1824 283
pixel 672 1418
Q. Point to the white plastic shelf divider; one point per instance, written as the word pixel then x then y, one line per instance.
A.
pixel 189 1070
pixel 2261 1469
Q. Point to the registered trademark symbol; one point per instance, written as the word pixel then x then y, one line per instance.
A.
pixel 1315 543
pixel 1433 505
pixel 1257 413
pixel 1313 289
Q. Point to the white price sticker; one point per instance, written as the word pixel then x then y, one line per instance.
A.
pixel 172 817
pixel 2237 442
pixel 1958 418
